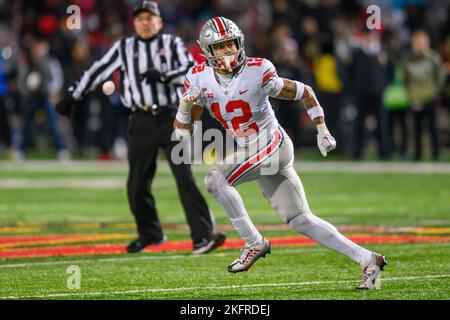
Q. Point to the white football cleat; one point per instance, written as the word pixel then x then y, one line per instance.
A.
pixel 371 273
pixel 248 257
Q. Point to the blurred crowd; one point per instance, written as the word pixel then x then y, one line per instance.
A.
pixel 385 91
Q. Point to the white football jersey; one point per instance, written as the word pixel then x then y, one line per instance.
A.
pixel 242 106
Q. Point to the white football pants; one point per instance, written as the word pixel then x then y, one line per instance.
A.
pixel 272 165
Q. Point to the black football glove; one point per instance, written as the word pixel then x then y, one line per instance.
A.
pixel 152 76
pixel 65 106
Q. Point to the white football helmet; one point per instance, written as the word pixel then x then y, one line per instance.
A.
pixel 217 30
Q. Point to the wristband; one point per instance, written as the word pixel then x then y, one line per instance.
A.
pixel 184 118
pixel 315 112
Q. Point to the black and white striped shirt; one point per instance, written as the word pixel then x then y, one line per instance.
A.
pixel 133 57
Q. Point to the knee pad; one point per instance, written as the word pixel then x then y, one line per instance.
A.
pixel 213 180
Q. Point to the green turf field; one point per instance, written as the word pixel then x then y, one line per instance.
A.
pixel 88 199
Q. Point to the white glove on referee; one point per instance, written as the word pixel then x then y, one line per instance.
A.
pixel 325 140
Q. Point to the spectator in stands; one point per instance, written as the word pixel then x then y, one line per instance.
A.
pixel 368 78
pixel 424 79
pixel 40 80
pixel 395 98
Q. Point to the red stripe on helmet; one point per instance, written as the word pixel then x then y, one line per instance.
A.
pixel 220 25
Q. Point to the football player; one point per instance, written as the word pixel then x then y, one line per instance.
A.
pixel 235 89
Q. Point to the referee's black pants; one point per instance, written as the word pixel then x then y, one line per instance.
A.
pixel 147 133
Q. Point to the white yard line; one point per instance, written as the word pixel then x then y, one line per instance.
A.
pixel 215 288
pixel 301 166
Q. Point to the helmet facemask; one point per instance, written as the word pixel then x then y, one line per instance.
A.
pixel 219 30
pixel 228 61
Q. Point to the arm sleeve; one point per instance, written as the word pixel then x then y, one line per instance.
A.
pixel 271 84
pixel 98 72
pixel 182 59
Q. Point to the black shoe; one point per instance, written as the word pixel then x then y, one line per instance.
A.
pixel 207 245
pixel 141 243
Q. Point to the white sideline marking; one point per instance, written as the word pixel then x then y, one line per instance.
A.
pixel 245 286
pixel 300 166
pixel 102 182
pixel 64 182
pixel 93 182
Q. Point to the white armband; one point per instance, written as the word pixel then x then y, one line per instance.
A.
pixel 300 89
pixel 184 118
pixel 315 112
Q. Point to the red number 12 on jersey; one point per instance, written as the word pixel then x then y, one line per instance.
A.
pixel 238 120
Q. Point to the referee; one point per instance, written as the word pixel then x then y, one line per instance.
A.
pixel 152 66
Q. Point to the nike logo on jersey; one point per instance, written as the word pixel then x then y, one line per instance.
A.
pixel 243 91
